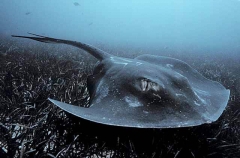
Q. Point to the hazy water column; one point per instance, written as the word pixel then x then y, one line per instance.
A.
pixel 175 24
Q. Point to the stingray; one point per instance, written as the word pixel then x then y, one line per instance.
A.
pixel 148 91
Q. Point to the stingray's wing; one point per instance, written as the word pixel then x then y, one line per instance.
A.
pixel 92 114
pixel 97 53
pixel 212 93
pixel 116 113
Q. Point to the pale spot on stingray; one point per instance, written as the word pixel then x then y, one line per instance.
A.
pixel 157 95
pixel 181 95
pixel 119 62
pixel 102 91
pixel 132 101
pixel 169 65
pixel 196 103
pixel 202 92
pixel 125 64
pixel 145 112
pixel 138 63
pixel 200 98
pixel 126 60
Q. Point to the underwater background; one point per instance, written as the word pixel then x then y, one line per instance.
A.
pixel 203 33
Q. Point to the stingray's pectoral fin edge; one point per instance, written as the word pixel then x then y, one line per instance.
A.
pixel 81 112
pixel 72 109
pixel 224 102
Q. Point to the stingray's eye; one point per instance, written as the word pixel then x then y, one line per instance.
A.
pixel 146 85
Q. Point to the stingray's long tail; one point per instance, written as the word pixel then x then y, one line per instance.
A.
pixel 97 53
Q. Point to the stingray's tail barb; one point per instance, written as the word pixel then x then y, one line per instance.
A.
pixel 97 53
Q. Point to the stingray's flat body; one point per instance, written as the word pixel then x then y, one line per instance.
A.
pixel 146 92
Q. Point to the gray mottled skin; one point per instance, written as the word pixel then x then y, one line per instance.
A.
pixel 146 92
